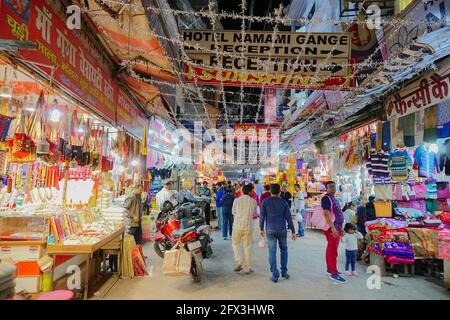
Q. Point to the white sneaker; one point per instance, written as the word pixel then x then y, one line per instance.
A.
pixel 355 274
pixel 347 273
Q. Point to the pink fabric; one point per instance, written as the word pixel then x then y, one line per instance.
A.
pixel 421 191
pixel 57 295
pixel 420 205
pixel 443 205
pixel 397 260
pixel 398 195
pixel 444 193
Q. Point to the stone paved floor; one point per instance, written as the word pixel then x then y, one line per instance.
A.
pixel 306 267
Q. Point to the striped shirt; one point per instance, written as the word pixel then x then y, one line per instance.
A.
pixel 399 162
pixel 243 209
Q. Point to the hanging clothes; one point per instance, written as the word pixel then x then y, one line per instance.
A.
pixel 399 161
pixel 378 168
pixel 426 162
pixel 430 125
pixel 444 158
pixel 443 119
pixel 407 124
pixel 386 136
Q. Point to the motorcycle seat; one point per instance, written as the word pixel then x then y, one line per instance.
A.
pixel 181 232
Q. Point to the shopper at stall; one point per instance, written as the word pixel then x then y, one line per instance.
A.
pixel 275 213
pixel 299 209
pixel 227 215
pixel 349 212
pixel 220 193
pixel 350 239
pixel 134 206
pixel 259 189
pixel 286 195
pixel 266 193
pixel 206 194
pixel 331 207
pixel 164 194
pixel 243 209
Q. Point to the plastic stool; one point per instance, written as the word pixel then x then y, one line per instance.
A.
pixel 57 295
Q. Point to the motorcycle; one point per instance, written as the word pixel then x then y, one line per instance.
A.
pixel 175 226
pixel 195 240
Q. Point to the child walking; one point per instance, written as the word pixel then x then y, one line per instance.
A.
pixel 350 240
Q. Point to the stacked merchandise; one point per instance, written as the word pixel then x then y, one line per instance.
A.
pixel 115 214
pixel 105 200
pixel 7 283
pixel 389 237
pixel 81 227
pixel 148 224
pixel 133 262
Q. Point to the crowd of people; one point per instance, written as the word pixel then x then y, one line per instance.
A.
pixel 243 206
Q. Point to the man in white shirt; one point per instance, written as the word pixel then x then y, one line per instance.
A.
pixel 243 209
pixel 299 209
pixel 164 194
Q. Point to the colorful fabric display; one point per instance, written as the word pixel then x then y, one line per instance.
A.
pixel 444 244
pixel 443 190
pixel 383 192
pixel 419 205
pixel 432 205
pixel 431 191
pixel 399 161
pixel 383 209
pixel 420 191
pixel 409 213
pixel 427 162
pixel 425 243
pixel 403 192
pixel 443 205
pixel 432 223
pixel 379 168
pixel 398 260
pixel 385 224
pixel 402 250
pixel 445 217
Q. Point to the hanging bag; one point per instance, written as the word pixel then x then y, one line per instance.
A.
pixel 318 217
pixel 177 261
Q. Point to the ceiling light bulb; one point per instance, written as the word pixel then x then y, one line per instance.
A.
pixel 6 92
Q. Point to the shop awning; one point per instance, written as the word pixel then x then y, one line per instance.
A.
pixel 417 57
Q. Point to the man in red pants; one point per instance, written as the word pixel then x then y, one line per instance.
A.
pixel 332 208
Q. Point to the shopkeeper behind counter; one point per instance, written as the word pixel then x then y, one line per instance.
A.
pixel 134 206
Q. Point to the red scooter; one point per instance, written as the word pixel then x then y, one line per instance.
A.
pixel 195 240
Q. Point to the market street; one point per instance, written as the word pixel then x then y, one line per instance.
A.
pixel 306 267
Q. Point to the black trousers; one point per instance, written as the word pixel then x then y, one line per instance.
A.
pixel 136 232
pixel 208 213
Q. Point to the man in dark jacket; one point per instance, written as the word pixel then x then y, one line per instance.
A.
pixel 227 216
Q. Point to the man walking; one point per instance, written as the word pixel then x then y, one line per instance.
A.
pixel 299 209
pixel 220 193
pixel 243 209
pixel 134 206
pixel 275 214
pixel 227 213
pixel 332 208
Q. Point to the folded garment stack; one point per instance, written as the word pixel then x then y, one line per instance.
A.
pixel 7 283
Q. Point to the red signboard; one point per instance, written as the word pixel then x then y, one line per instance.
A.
pixel 68 57
pixel 246 78
pixel 128 116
